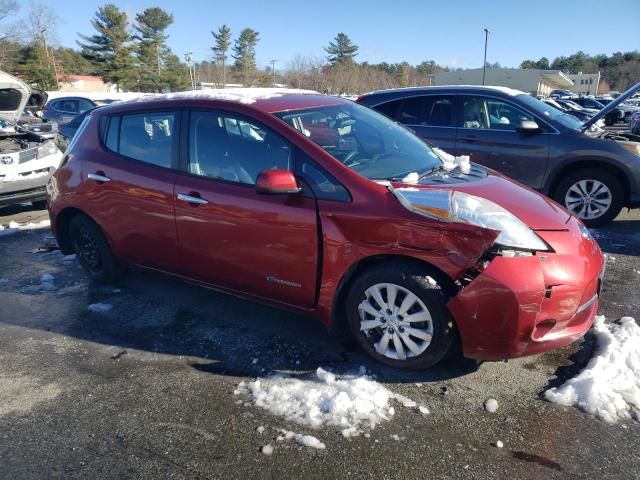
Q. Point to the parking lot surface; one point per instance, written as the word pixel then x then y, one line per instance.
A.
pixel 145 388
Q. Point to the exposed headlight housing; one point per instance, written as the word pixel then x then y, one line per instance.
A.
pixel 48 148
pixel 451 206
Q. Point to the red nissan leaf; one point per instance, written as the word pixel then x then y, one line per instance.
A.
pixel 320 205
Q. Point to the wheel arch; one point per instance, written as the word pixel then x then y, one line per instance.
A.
pixel 62 222
pixel 338 314
pixel 579 164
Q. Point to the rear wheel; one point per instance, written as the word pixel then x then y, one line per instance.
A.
pixel 92 250
pixel 593 195
pixel 397 314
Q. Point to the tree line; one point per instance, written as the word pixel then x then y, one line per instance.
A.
pixel 620 70
pixel 134 55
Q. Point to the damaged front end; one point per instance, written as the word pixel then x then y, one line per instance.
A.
pixel 531 291
pixel 517 303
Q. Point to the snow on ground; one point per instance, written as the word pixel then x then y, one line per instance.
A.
pixel 609 386
pixel 352 403
pixel 15 227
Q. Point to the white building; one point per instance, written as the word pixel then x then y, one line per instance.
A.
pixel 533 81
pixel 586 83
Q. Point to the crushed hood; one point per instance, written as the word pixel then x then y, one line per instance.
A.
pixel 611 106
pixel 14 95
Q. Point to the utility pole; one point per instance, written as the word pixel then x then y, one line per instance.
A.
pixel 188 58
pixel 484 64
pixel 273 70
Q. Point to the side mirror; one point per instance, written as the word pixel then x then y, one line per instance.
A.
pixel 277 182
pixel 528 126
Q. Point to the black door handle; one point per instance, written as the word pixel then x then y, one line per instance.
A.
pixel 469 139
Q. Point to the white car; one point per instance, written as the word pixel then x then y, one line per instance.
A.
pixel 27 159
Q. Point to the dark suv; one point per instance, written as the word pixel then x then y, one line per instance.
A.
pixel 65 109
pixel 593 173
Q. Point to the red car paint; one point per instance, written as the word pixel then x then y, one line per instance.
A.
pixel 241 239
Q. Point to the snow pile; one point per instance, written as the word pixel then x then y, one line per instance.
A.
pixel 491 405
pixel 411 178
pixel 449 162
pixel 15 227
pixel 45 285
pixel 609 387
pixel 351 403
pixel 100 307
pixel 240 95
pixel 304 440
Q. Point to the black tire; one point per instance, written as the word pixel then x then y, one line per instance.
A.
pixel 611 119
pixel 92 250
pixel 612 182
pixel 39 204
pixel 416 280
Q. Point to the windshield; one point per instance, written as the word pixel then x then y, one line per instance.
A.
pixel 364 140
pixel 548 111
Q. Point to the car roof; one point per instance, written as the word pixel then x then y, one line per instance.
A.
pixel 397 93
pixel 267 100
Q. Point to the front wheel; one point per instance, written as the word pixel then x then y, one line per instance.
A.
pixel 92 250
pixel 397 313
pixel 593 195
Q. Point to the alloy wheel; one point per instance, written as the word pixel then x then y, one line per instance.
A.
pixel 396 322
pixel 588 199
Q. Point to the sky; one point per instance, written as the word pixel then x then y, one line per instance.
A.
pixel 449 32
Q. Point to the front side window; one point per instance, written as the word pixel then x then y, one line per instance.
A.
pixel 548 112
pixel 364 140
pixel 147 137
pixel 228 148
pixel 67 106
pixel 487 113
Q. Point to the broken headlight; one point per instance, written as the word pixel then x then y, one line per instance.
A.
pixel 460 207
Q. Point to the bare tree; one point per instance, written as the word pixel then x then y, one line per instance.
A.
pixel 7 8
pixel 41 27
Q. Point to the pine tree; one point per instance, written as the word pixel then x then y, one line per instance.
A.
pixel 151 48
pixel 110 49
pixel 221 47
pixel 341 50
pixel 34 67
pixel 244 53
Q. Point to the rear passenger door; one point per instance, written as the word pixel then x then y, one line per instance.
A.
pixel 232 236
pixel 129 183
pixel 489 134
pixel 431 117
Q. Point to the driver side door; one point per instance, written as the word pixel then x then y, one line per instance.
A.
pixel 230 235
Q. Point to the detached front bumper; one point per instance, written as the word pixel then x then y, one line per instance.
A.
pixel 527 305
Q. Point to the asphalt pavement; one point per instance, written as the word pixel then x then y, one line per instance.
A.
pixel 145 390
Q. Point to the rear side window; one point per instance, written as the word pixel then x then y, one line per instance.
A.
pixel 147 137
pixel 390 109
pixel 431 110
